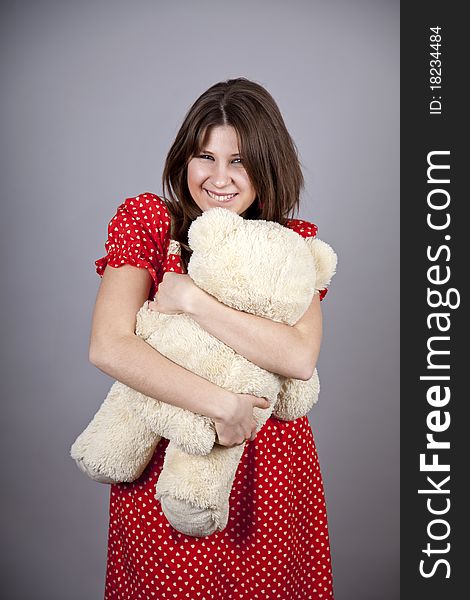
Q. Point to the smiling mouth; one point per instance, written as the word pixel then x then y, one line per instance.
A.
pixel 220 197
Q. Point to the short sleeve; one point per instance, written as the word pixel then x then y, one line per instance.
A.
pixel 305 229
pixel 137 235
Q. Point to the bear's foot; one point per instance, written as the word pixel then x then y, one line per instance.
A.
pixel 93 472
pixel 192 520
pixel 116 446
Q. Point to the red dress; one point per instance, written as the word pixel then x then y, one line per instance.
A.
pixel 276 544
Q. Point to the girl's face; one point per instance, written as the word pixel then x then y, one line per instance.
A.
pixel 216 176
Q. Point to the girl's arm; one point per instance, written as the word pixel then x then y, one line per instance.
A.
pixel 291 351
pixel 118 352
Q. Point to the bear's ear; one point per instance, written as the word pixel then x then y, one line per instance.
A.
pixel 209 231
pixel 325 261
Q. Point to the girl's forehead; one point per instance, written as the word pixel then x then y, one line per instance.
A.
pixel 219 134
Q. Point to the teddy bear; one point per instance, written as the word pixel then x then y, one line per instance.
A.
pixel 256 266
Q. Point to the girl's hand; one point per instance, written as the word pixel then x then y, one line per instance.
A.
pixel 238 424
pixel 174 294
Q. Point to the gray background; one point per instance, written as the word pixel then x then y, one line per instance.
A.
pixel 93 94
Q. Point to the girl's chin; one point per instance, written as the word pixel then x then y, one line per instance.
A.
pixel 209 206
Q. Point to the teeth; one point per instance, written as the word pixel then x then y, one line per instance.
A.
pixel 220 198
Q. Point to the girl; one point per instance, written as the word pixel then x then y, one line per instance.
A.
pixel 232 150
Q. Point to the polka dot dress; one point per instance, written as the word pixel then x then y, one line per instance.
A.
pixel 276 544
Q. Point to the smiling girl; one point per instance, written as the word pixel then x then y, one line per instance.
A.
pixel 232 150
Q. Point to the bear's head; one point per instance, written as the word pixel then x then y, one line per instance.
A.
pixel 257 266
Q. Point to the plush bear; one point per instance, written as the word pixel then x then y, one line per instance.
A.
pixel 256 266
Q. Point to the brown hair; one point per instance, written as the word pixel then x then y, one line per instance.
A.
pixel 268 151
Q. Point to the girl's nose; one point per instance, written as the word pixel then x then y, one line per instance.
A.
pixel 220 175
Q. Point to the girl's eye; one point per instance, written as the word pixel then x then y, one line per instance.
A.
pixel 209 156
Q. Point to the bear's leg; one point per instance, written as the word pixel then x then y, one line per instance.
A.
pixel 116 446
pixel 194 491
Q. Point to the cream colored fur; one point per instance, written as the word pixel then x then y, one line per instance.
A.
pixel 259 267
